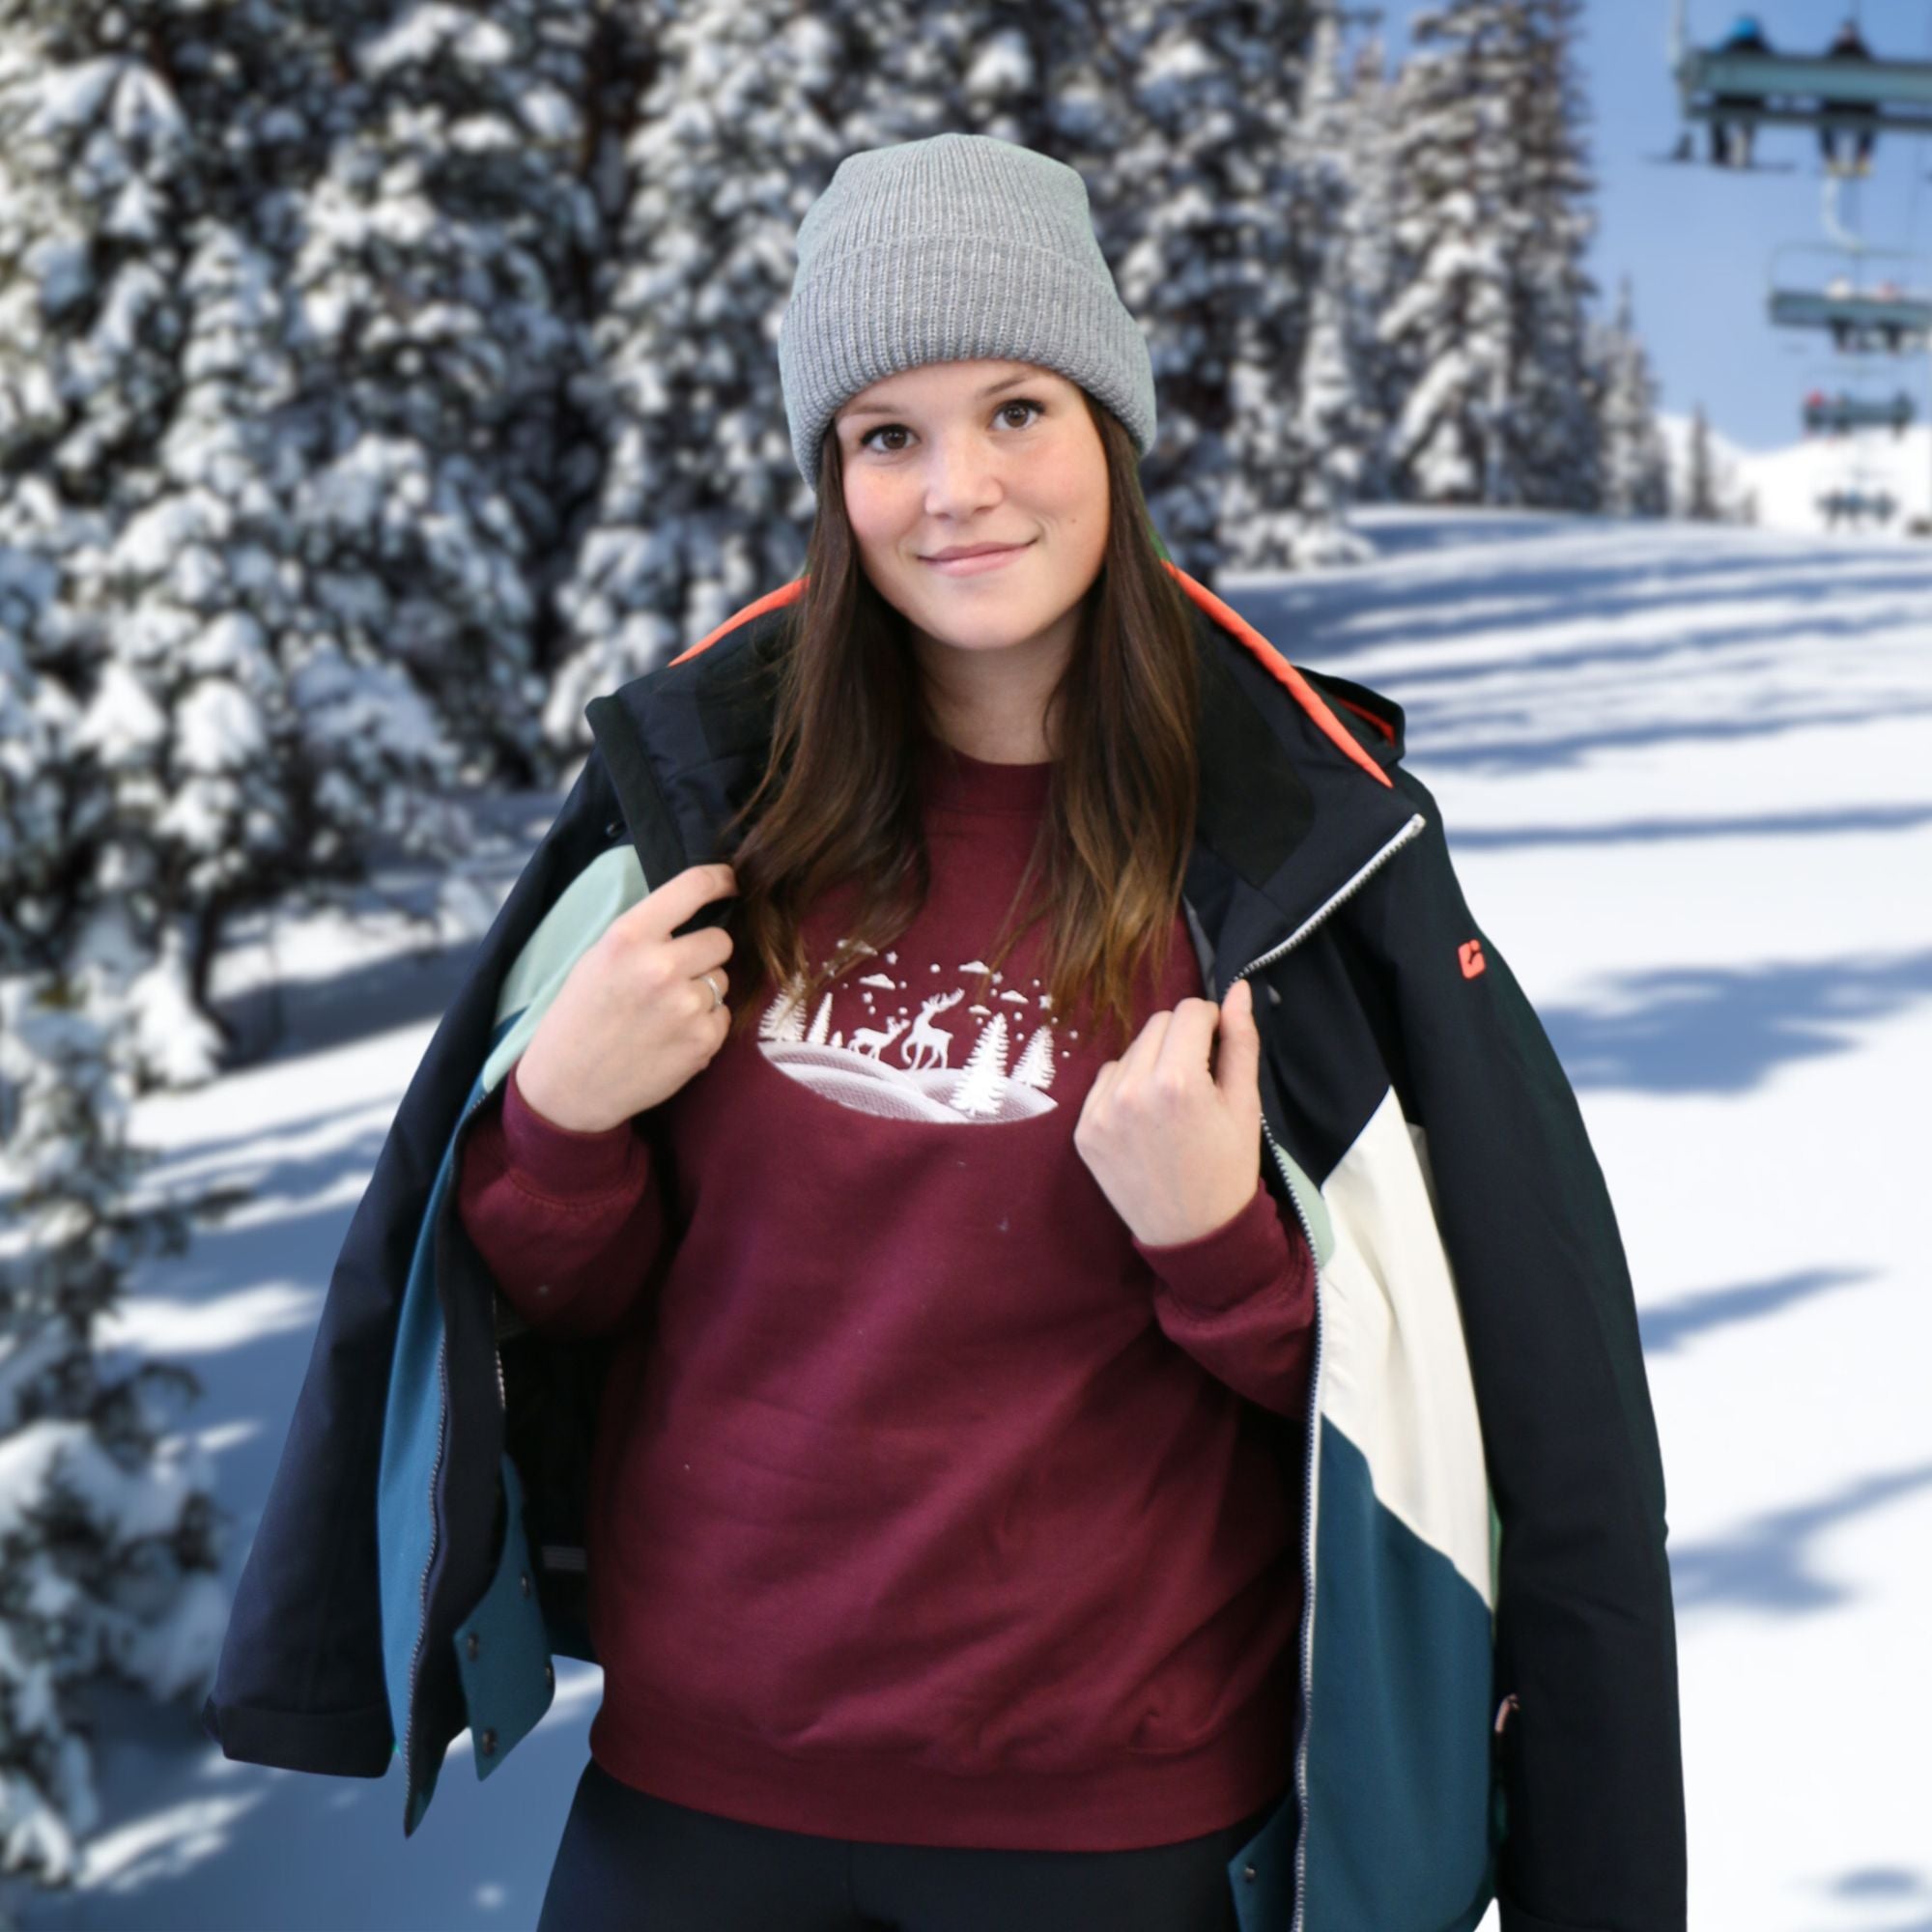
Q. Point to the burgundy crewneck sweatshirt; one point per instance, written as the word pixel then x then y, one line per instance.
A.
pixel 934 1507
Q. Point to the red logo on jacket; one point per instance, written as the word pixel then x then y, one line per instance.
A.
pixel 1470 953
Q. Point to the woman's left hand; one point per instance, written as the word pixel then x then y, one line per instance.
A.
pixel 1174 1148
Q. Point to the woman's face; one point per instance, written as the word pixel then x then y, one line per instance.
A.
pixel 960 454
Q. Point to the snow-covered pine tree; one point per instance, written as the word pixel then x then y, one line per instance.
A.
pixel 109 1548
pixel 225 662
pixel 1190 170
pixel 442 311
pixel 99 177
pixel 1297 448
pixel 171 752
pixel 1489 317
pixel 703 171
pixel 1549 432
pixel 110 1542
pixel 1368 263
pixel 107 790
pixel 1701 483
pixel 1704 483
pixel 1635 459
pixel 1450 321
pixel 40 800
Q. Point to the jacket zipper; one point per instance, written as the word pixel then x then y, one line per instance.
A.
pixel 436 1470
pixel 1415 824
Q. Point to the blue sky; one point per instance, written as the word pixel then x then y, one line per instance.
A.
pixel 1697 243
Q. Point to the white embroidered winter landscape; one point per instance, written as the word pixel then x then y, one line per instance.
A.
pixel 923 1085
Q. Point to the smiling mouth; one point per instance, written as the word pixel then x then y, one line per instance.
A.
pixel 972 566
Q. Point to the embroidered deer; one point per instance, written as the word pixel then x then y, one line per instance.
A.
pixel 926 1038
pixel 875 1039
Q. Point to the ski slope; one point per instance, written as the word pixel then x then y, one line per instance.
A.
pixel 1687 777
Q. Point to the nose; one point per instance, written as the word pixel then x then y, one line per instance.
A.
pixel 960 477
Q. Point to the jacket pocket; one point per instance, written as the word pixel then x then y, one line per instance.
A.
pixel 1502 1767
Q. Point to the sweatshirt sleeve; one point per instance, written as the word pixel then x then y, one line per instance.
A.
pixel 569 1224
pixel 1240 1299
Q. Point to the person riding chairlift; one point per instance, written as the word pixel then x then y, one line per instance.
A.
pixel 1892 333
pixel 1840 289
pixel 1849 45
pixel 1824 413
pixel 1731 142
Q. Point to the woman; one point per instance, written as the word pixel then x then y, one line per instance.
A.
pixel 905 1434
pixel 1043 1264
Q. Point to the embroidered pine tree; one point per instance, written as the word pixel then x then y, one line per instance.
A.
pixel 821 1022
pixel 1035 1067
pixel 984 1073
pixel 782 1019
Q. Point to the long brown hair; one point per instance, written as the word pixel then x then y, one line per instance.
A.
pixel 841 797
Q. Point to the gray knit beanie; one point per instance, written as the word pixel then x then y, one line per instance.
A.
pixel 948 249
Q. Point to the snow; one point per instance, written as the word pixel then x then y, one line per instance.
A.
pixel 1684 769
pixel 74 96
pixel 123 723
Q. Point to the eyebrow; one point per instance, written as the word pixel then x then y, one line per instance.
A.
pixel 986 394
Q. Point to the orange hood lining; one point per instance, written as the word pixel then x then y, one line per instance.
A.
pixel 1271 660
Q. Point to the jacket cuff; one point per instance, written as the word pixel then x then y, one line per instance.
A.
pixel 1227 1265
pixel 334 1744
pixel 557 1161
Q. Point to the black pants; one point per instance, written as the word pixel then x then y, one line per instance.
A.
pixel 627 1859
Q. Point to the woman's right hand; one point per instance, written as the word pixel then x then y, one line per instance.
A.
pixel 634 1021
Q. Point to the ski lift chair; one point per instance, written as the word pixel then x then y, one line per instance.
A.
pixel 1889 315
pixel 1788 89
pixel 1839 415
pixel 1853 506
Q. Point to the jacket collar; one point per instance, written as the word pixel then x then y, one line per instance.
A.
pixel 1294 797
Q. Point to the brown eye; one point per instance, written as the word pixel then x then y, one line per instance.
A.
pixel 888 429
